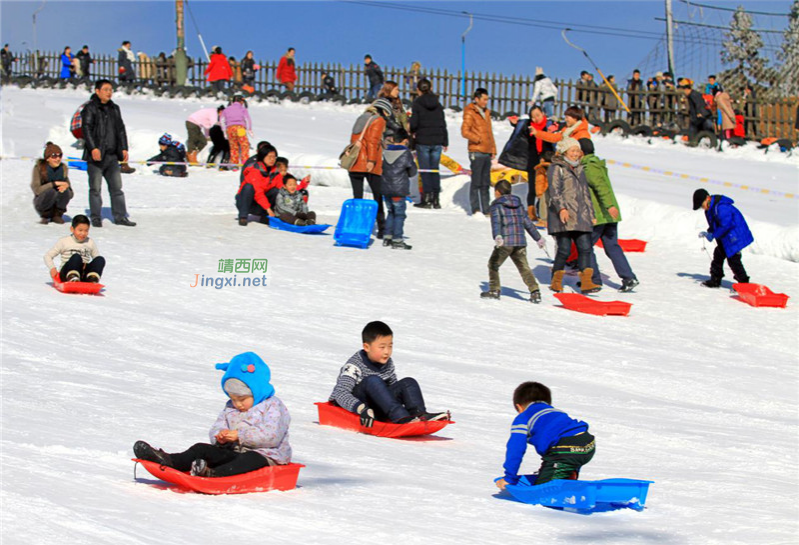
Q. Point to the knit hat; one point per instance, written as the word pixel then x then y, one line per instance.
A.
pixel 699 197
pixel 567 144
pixel 50 149
pixel 383 104
pixel 587 146
pixel 165 139
pixel 251 370
pixel 235 387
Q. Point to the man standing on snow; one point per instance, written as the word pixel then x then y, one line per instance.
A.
pixel 126 58
pixel 476 128
pixel 106 144
pixel 375 76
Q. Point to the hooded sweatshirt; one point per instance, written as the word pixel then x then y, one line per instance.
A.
pixel 398 168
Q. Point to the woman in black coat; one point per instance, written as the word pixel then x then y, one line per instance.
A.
pixel 429 129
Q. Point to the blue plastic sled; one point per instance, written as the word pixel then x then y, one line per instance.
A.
pixel 584 497
pixel 354 227
pixel 281 225
pixel 77 163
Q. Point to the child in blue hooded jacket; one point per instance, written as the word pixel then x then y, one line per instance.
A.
pixel 563 443
pixel 727 226
pixel 251 432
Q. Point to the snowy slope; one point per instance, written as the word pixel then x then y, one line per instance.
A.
pixel 693 390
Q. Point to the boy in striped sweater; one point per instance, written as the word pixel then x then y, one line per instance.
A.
pixel 367 384
pixel 563 443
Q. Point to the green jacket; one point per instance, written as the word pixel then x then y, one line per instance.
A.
pixel 601 191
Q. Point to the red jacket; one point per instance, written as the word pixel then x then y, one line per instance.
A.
pixel 285 71
pixel 218 68
pixel 263 179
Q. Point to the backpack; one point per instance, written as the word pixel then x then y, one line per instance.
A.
pixel 76 125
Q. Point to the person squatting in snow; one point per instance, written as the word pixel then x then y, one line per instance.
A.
pixel 727 226
pixel 250 433
pixel 290 205
pixel 52 190
pixel 367 385
pixel 563 443
pixel 398 168
pixel 172 151
pixel 80 259
pixel 509 221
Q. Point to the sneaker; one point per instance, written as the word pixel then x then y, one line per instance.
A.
pixel 73 276
pixel 490 294
pixel 628 284
pixel 97 222
pixel 400 245
pixel 408 420
pixel 144 451
pixel 387 241
pixel 125 222
pixel 199 468
pixel 93 277
pixel 432 417
pixel 712 283
pixel 535 297
pixel 243 222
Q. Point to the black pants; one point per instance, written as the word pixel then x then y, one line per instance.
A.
pixel 735 263
pixel 566 457
pixel 582 239
pixel 356 179
pixel 75 263
pixel 246 203
pixel 220 144
pixel 224 461
pixel 51 201
pixel 400 400
pixel 480 187
pixel 218 85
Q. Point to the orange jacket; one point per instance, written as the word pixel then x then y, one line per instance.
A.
pixel 580 132
pixel 541 180
pixel 371 146
pixel 476 128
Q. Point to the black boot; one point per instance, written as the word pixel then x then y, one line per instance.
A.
pixel 712 283
pixel 144 451
pixel 425 202
pixel 436 203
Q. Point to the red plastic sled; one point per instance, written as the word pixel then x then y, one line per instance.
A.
pixel 628 245
pixel 330 415
pixel 261 480
pixel 86 288
pixel 759 295
pixel 581 303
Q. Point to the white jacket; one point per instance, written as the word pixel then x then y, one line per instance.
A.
pixel 67 246
pixel 545 89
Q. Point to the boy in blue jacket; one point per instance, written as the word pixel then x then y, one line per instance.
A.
pixel 727 226
pixel 563 443
pixel 398 169
pixel 509 221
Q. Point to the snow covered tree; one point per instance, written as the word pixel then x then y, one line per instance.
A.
pixel 789 54
pixel 742 46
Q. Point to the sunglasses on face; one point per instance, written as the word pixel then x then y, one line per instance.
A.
pixel 59 155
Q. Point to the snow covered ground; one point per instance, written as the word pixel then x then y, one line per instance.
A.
pixel 694 390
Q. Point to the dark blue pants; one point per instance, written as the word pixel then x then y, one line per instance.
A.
pixel 246 203
pixel 75 263
pixel 481 182
pixel 373 91
pixel 429 159
pixel 401 399
pixel 609 233
pixel 582 239
pixel 395 217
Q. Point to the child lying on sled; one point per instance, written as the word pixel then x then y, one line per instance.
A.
pixel 251 432
pixel 563 443
pixel 367 384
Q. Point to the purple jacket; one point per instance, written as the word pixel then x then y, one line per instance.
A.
pixel 235 114
pixel 264 428
pixel 509 219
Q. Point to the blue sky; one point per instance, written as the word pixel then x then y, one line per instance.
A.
pixel 338 31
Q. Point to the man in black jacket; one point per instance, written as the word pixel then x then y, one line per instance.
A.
pixel 8 60
pixel 697 109
pixel 635 88
pixel 106 144
pixel 375 76
pixel 86 61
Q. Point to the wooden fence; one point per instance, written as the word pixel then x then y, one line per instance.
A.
pixel 508 93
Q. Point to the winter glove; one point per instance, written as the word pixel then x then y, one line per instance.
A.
pixel 367 415
pixel 542 243
pixel 707 235
pixel 498 241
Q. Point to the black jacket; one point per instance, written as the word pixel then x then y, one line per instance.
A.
pixel 374 73
pixel 329 85
pixel 129 72
pixel 697 108
pixel 521 150
pixel 171 154
pixel 85 60
pixel 398 167
pixel 103 128
pixel 248 69
pixel 427 121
